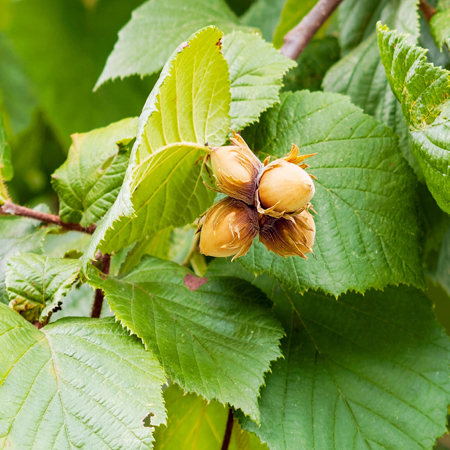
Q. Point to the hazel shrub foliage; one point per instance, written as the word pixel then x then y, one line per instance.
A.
pixel 263 257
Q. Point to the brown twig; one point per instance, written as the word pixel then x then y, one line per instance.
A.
pixel 9 208
pixel 228 431
pixel 99 295
pixel 298 38
pixel 427 10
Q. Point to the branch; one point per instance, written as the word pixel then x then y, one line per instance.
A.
pixel 99 294
pixel 427 10
pixel 228 430
pixel 9 208
pixel 298 38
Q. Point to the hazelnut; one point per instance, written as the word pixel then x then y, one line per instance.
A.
pixel 228 229
pixel 236 170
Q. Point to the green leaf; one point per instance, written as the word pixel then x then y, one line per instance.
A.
pixel 362 372
pixel 312 65
pixel 187 110
pixel 181 243
pixel 17 235
pixel 159 26
pixel 441 273
pixel 360 74
pixel 420 107
pixel 434 55
pixel 434 224
pixel 362 68
pixel 89 181
pixel 211 335
pixel 6 168
pixel 35 154
pixel 256 71
pixel 77 383
pixel 358 18
pixel 423 91
pixel 36 284
pixel 58 244
pixel 372 370
pixel 170 193
pixel 292 14
pixel 440 24
pixel 366 227
pixel 78 303
pixel 194 423
pixel 239 6
pixel 63 47
pixel 265 15
pixel 16 96
pixel 157 245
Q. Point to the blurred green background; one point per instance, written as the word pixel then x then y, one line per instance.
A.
pixel 52 53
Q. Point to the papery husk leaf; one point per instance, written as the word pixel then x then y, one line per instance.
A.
pixel 286 236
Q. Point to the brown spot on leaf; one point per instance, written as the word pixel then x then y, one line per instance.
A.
pixel 193 283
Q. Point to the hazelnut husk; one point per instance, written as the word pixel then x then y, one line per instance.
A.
pixel 289 236
pixel 271 199
pixel 228 229
pixel 236 170
pixel 285 188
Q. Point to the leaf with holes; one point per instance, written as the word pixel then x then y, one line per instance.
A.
pixel 423 91
pixel 89 181
pixel 186 111
pixel 256 70
pixel 77 383
pixel 362 372
pixel 367 232
pixel 17 235
pixel 211 335
pixel 36 284
pixel 193 423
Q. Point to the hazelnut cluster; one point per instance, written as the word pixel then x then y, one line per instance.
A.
pixel 269 199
